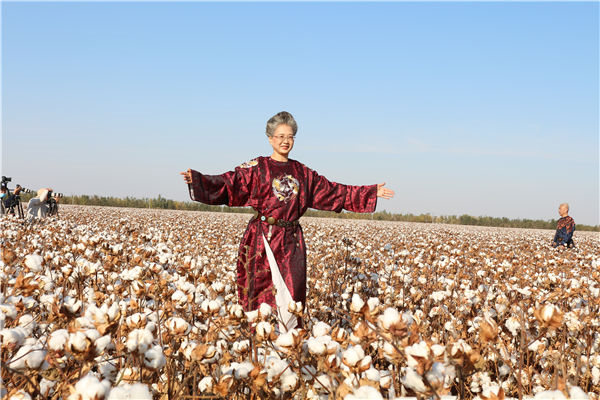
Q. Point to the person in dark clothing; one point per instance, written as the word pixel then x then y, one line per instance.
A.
pixel 564 229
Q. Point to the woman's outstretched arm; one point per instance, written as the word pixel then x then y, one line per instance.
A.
pixel 231 188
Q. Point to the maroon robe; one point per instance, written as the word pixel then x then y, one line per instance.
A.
pixel 284 190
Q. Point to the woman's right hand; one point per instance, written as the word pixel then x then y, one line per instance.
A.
pixel 187 176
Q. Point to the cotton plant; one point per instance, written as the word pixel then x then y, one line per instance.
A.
pixel 126 302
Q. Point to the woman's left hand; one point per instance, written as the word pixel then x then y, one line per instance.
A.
pixel 384 192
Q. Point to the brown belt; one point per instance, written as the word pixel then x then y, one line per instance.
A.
pixel 275 221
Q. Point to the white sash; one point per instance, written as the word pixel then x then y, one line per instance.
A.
pixel 282 295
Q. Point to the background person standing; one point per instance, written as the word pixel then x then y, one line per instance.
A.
pixel 564 228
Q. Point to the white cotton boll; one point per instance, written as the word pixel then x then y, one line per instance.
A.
pixel 78 341
pixel 490 391
pixel 372 374
pixel 20 395
pixel 92 334
pixel 90 388
pixel 353 355
pixel 318 345
pixel 71 304
pixel 206 384
pixel 27 323
pixel 354 339
pixel 576 393
pixel 137 391
pixel 28 356
pixel 47 387
pixel 218 286
pixel 242 346
pixel 437 374
pixel 289 381
pixel 547 312
pixel 36 357
pixel 215 351
pixel 252 315
pixel 390 317
pixel 535 346
pixel 412 380
pixel 438 296
pixel 504 370
pixel 265 310
pixel 236 311
pixel 364 392
pixel 321 329
pixel 437 350
pixel 34 262
pixel 307 372
pixel 179 297
pixel 333 346
pixel 58 340
pixel 102 343
pixel 274 366
pixel 154 358
pixel 132 274
pixel 139 340
pixel 365 363
pixel 107 370
pixel 178 326
pixel 513 325
pixel 9 310
pixel 323 382
pixel 214 306
pixel 264 329
pixel 48 300
pixel 13 337
pixel 460 346
pixel 136 320
pixel 416 350
pixel 357 303
pixel 113 311
pixel 84 323
pixel 550 395
pixel 286 339
pixel 242 370
pixel 373 303
pixel 295 307
pixel 595 375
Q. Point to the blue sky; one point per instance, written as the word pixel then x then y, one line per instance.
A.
pixel 476 108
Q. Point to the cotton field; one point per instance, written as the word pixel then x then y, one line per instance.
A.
pixel 109 303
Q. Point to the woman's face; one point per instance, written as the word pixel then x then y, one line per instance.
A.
pixel 282 140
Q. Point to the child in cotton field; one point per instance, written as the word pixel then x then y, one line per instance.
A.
pixel 280 190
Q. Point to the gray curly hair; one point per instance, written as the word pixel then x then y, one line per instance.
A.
pixel 281 118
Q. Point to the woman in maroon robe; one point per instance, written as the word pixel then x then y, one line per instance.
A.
pixel 271 266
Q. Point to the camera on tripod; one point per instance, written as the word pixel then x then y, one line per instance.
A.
pixel 11 202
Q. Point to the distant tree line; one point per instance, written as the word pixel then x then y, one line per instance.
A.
pixel 163 203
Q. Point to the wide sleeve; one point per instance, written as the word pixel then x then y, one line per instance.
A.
pixel 330 196
pixel 231 188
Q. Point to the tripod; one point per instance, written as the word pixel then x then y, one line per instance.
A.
pixel 14 205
